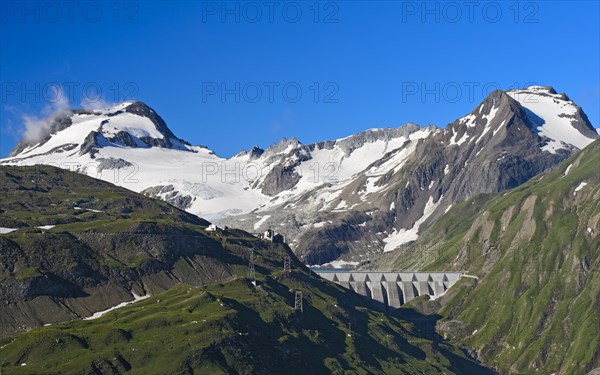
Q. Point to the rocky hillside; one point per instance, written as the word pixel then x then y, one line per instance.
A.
pixel 73 247
pixel 535 249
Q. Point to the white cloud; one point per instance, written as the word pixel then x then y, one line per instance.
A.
pixel 88 104
pixel 37 127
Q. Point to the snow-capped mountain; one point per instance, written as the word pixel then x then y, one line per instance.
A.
pixel 507 139
pixel 341 200
pixel 556 117
pixel 130 145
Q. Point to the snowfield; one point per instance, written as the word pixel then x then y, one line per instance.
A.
pixel 551 112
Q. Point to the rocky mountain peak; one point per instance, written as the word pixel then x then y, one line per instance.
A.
pixel 285 145
pixel 541 89
pixel 128 124
pixel 496 101
pixel 497 111
pixel 143 110
pixel 254 153
pixel 555 117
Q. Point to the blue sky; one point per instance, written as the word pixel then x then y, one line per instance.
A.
pixel 232 75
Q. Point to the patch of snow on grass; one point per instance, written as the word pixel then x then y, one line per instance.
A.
pixel 122 304
pixel 87 209
pixel 581 186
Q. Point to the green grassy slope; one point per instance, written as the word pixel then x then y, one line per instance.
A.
pixel 204 316
pixel 105 243
pixel 235 327
pixel 43 195
pixel 536 250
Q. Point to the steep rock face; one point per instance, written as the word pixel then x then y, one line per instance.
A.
pixel 280 178
pixel 143 110
pixel 90 144
pixel 283 158
pixel 508 157
pixel 490 150
pixel 254 153
pixel 123 138
pixel 169 195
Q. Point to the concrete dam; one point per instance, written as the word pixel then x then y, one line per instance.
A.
pixel 393 289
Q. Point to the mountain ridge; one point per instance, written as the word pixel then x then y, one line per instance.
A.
pixel 406 177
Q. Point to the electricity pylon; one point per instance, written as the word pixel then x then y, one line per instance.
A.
pixel 298 301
